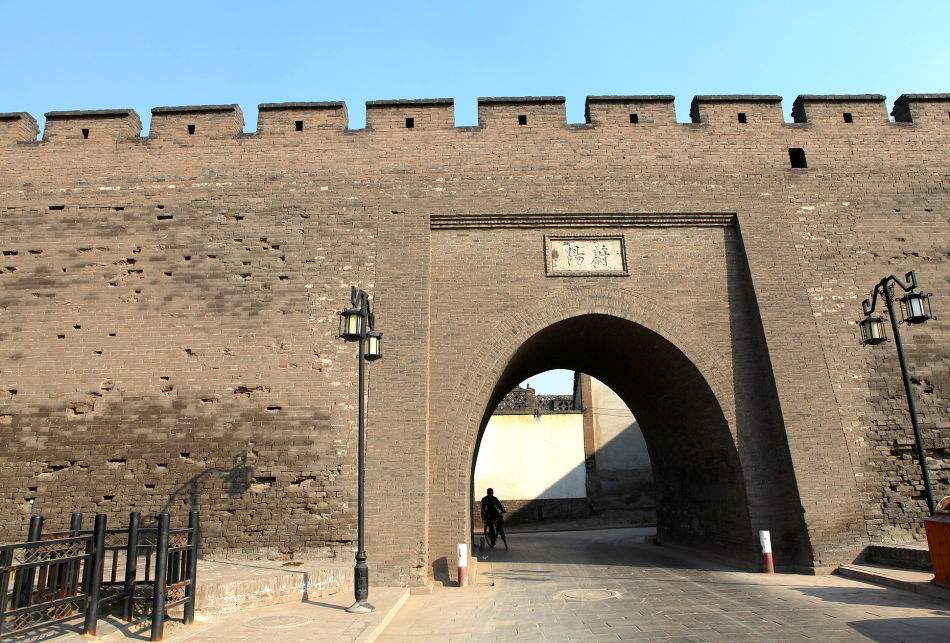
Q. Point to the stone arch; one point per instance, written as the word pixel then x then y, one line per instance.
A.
pixel 490 365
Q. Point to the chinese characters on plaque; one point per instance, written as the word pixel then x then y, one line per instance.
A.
pixel 584 256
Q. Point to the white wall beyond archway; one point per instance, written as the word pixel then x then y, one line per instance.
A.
pixel 524 457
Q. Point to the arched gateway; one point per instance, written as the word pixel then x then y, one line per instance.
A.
pixel 168 313
pixel 721 466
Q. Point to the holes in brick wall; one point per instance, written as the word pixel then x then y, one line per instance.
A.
pixel 77 326
pixel 10 253
pixel 164 217
pixel 111 334
pixel 298 125
pixel 742 117
pixel 273 409
pixel 149 486
pixel 57 207
pixel 85 132
pixel 634 118
pixel 522 119
pixel 190 353
pixel 60 336
pixel 167 273
pixel 184 454
pixel 796 157
pixel 116 461
pixel 191 130
pixel 107 498
pixel 848 117
pixel 118 208
pixel 410 122
pixel 283 277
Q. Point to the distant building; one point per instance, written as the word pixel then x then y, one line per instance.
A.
pixel 564 456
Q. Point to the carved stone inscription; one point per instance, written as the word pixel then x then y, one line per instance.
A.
pixel 580 256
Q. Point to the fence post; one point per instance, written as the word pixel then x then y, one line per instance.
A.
pixel 94 575
pixel 131 563
pixel 71 575
pixel 23 585
pixel 161 569
pixel 6 562
pixel 191 591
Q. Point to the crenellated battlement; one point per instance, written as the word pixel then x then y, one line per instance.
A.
pixel 97 125
pixel 196 123
pixel 17 127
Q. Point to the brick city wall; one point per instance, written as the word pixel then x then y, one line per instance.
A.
pixel 167 310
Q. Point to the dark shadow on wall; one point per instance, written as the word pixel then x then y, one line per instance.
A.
pixel 760 426
pixel 237 480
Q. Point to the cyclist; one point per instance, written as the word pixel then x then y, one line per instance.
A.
pixel 492 511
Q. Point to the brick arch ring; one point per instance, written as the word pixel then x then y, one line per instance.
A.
pixel 494 355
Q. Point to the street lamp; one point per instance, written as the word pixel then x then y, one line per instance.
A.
pixel 356 325
pixel 915 309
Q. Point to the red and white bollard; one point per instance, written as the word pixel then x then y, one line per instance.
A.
pixel 768 566
pixel 463 564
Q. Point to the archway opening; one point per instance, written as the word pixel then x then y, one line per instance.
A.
pixel 698 485
pixel 562 451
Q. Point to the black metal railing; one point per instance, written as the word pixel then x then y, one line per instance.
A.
pixel 56 576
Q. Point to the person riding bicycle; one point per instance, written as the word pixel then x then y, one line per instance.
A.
pixel 492 511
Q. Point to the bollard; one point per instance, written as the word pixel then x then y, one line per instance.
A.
pixel 768 566
pixel 463 564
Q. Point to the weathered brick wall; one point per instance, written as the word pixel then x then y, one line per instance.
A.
pixel 217 260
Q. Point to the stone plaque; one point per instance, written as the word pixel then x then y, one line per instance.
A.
pixel 584 256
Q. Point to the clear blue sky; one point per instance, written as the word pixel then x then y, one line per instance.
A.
pixel 83 55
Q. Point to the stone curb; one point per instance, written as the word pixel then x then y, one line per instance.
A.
pixel 879 576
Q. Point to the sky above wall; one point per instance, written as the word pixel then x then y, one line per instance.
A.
pixel 82 55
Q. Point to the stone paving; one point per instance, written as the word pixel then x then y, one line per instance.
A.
pixel 608 585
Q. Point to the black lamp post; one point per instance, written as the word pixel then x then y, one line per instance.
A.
pixel 356 325
pixel 915 309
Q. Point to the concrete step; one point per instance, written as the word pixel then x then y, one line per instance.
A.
pixel 909 580
pixel 229 586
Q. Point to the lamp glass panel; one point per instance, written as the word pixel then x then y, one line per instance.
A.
pixel 354 323
pixel 877 328
pixel 371 347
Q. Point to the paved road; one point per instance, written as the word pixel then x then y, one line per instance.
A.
pixel 546 589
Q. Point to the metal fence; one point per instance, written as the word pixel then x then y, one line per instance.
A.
pixel 147 568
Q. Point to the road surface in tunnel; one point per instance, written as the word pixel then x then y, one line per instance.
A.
pixel 610 585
